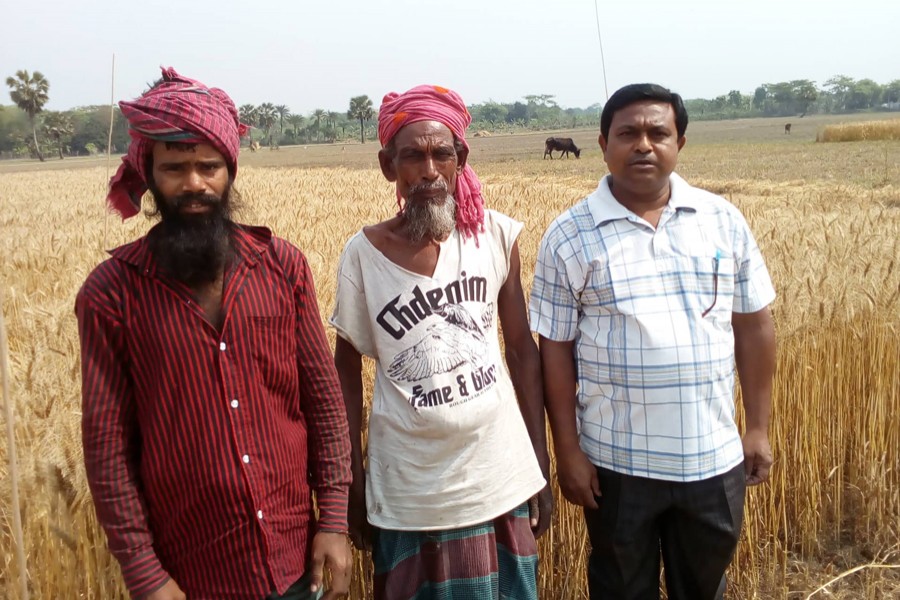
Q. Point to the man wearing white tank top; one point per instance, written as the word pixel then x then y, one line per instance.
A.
pixel 455 489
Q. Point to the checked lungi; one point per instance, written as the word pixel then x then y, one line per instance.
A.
pixel 493 560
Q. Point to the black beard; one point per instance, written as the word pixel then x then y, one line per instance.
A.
pixel 192 249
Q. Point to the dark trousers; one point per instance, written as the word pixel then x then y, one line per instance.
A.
pixel 298 591
pixel 694 525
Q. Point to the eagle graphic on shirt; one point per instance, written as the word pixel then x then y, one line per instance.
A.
pixel 447 344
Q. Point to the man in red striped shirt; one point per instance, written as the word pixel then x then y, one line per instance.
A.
pixel 211 406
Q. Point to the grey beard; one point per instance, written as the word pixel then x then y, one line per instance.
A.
pixel 430 220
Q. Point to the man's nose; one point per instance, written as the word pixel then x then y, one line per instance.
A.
pixel 429 169
pixel 643 143
pixel 194 182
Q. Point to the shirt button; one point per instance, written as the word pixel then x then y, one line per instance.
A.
pixel 222 346
pixel 246 458
pixel 234 404
pixel 259 514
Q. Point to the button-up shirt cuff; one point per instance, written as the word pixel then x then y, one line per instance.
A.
pixel 143 574
pixel 332 511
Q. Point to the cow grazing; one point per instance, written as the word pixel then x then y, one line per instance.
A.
pixel 254 146
pixel 787 127
pixel 563 145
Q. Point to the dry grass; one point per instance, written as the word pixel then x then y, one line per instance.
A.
pixel 861 132
pixel 832 248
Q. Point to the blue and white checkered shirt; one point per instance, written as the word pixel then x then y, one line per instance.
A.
pixel 651 312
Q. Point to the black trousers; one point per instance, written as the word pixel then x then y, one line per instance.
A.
pixel 298 591
pixel 694 525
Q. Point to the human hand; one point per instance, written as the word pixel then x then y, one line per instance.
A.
pixel 757 457
pixel 540 509
pixel 332 550
pixel 360 530
pixel 169 591
pixel 577 477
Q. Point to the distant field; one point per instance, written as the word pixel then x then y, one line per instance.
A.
pixel 827 218
pixel 507 147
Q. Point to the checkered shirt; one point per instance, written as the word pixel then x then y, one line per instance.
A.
pixel 650 311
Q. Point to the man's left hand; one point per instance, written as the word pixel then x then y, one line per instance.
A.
pixel 757 457
pixel 331 550
pixel 540 509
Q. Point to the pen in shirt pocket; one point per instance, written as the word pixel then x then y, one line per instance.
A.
pixel 715 282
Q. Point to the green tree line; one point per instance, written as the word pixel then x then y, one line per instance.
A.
pixel 800 97
pixel 27 129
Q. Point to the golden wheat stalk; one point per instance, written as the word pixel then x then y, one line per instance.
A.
pixel 850 572
pixel 13 464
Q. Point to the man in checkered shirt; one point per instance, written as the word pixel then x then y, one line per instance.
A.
pixel 646 296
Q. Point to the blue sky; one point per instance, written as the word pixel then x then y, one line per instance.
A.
pixel 317 55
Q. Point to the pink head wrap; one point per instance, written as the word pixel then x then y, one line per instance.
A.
pixel 177 110
pixel 435 103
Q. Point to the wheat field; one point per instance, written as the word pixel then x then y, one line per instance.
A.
pixel 827 220
pixel 865 131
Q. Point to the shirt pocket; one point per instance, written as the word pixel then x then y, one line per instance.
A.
pixel 712 292
pixel 273 348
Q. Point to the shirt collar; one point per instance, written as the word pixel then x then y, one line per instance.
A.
pixel 250 243
pixel 605 208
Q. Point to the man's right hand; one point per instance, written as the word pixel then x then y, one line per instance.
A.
pixel 360 530
pixel 169 591
pixel 577 477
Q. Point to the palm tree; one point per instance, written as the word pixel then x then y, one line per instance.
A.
pixel 29 92
pixel 248 116
pixel 318 115
pixel 58 126
pixel 296 122
pixel 267 116
pixel 332 118
pixel 362 110
pixel 283 113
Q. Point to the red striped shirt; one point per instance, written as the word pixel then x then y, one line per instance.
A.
pixel 196 440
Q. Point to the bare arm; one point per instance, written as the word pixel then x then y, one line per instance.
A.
pixel 523 360
pixel 577 475
pixel 349 367
pixel 754 353
pixel 524 364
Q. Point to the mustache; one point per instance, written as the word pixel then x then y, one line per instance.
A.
pixel 433 186
pixel 200 198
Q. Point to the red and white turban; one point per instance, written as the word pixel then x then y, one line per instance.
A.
pixel 179 109
pixel 435 103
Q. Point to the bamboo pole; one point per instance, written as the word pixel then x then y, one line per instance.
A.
pixel 112 114
pixel 18 535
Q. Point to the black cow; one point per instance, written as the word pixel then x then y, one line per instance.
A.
pixel 563 145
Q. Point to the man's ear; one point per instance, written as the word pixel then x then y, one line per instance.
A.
pixel 386 161
pixel 602 141
pixel 461 157
pixel 681 142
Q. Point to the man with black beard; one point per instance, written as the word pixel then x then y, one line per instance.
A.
pixel 212 412
pixel 192 248
pixel 455 491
